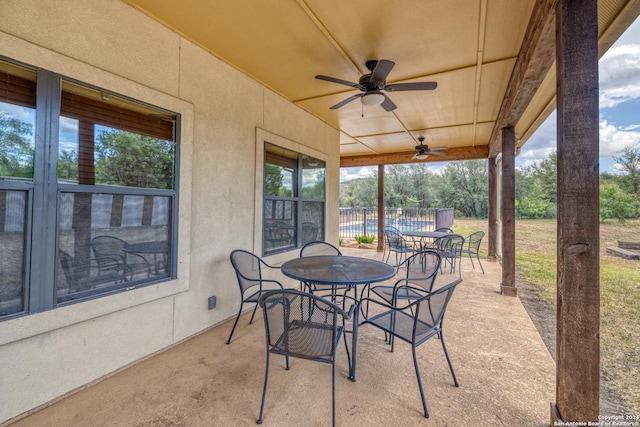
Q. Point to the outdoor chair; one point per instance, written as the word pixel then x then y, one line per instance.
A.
pixel 306 326
pixel 415 323
pixel 443 230
pixel 81 276
pixel 309 232
pixel 249 272
pixel 108 248
pixel 450 249
pixel 473 247
pixel 396 243
pixel 319 248
pixel 421 272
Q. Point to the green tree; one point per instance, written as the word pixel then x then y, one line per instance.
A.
pixel 629 163
pixel 125 158
pixel 614 203
pixel 463 186
pixel 16 150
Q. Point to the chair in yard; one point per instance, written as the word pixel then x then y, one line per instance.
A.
pixel 107 248
pixel 319 248
pixel 473 247
pixel 249 272
pixel 450 249
pixel 396 243
pixel 421 272
pixel 306 326
pixel 415 323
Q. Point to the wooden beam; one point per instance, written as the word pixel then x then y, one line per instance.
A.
pixel 380 208
pixel 493 209
pixel 461 153
pixel 578 274
pixel 508 286
pixel 535 58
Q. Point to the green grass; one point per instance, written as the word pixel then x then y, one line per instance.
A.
pixel 619 293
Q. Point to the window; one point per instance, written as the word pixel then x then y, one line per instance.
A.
pixel 91 207
pixel 294 199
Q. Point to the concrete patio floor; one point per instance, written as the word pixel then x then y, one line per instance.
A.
pixel 506 376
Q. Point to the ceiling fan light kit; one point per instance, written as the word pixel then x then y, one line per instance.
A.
pixel 372 98
pixel 374 83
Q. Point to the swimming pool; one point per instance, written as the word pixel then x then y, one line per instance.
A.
pixel 401 224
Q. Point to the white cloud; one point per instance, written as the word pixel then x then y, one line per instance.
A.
pixel 613 139
pixel 347 174
pixel 619 75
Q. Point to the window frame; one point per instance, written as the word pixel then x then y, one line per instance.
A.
pixel 41 260
pixel 297 198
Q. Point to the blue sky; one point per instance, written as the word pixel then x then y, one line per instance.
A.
pixel 619 73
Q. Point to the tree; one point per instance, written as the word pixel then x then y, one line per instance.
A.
pixel 16 151
pixel 463 186
pixel 629 162
pixel 614 203
pixel 125 158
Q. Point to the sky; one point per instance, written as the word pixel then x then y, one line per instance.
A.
pixel 619 73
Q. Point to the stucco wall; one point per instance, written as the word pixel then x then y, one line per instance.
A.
pixel 225 115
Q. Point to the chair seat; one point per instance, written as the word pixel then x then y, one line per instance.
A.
pixel 386 293
pixel 308 340
pixel 403 327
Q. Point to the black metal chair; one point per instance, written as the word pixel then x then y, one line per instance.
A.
pixel 396 243
pixel 473 247
pixel 421 272
pixel 316 248
pixel 303 325
pixel 80 276
pixel 450 249
pixel 415 323
pixel 248 268
pixel 107 248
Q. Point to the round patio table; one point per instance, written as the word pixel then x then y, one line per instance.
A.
pixel 339 270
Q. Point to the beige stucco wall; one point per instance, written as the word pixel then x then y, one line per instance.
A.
pixel 225 118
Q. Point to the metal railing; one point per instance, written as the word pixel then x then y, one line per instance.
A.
pixel 364 221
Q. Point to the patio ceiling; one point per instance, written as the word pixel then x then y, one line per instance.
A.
pixel 470 48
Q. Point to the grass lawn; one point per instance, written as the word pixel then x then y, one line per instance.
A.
pixel 619 293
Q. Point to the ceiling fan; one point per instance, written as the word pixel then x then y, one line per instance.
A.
pixel 374 83
pixel 423 151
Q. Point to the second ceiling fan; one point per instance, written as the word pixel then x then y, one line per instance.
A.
pixel 373 84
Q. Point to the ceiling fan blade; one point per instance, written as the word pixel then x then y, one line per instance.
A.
pixel 438 148
pixel 388 104
pixel 382 70
pixel 398 87
pixel 346 101
pixel 437 153
pixel 340 81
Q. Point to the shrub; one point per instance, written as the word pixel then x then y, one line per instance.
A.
pixel 365 238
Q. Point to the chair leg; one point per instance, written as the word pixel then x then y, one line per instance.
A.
pixel 235 323
pixel 254 313
pixel 453 375
pixel 333 391
pixel 481 267
pixel 415 364
pixel 264 388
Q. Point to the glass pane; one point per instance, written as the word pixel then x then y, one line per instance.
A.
pixel 106 139
pixel 312 221
pixel 17 121
pixel 313 173
pixel 280 172
pixel 13 208
pixel 279 225
pixel 101 251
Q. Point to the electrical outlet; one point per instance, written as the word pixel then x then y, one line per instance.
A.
pixel 212 302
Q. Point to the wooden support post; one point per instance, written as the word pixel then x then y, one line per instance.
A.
pixel 380 207
pixel 508 286
pixel 493 207
pixel 578 289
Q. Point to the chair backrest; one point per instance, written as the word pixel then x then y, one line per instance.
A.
pixel 450 245
pixel 248 268
pixel 444 230
pixel 475 239
pixel 319 248
pixel 108 246
pixel 289 311
pixel 422 269
pixel 393 238
pixel 430 311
